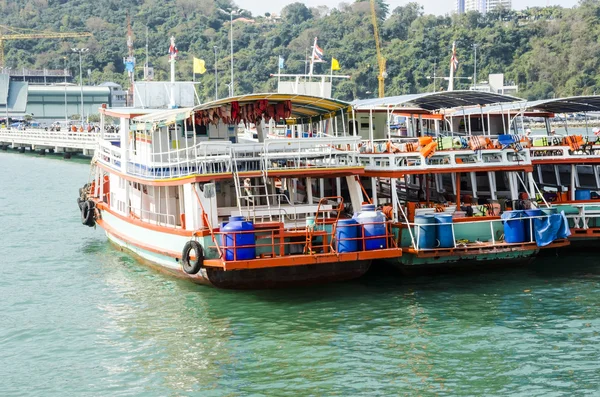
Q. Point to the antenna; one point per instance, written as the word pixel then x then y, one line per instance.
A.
pixel 129 61
pixel 146 46
pixel 129 36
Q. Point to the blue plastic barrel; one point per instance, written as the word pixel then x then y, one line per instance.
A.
pixel 425 230
pixel 245 243
pixel 529 224
pixel 443 233
pixel 373 223
pixel 346 234
pixel 514 227
pixel 581 194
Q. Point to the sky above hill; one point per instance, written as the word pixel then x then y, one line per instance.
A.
pixel 431 6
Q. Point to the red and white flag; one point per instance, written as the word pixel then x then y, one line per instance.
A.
pixel 318 53
pixel 454 58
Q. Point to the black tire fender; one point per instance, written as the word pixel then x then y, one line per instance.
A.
pixel 192 266
pixel 87 213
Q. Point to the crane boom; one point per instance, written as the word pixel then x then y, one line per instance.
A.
pixel 40 35
pixel 380 59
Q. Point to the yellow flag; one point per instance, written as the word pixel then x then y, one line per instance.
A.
pixel 199 66
pixel 335 64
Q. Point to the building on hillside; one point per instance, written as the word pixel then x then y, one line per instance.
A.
pixel 482 6
pixel 496 85
pixel 493 4
pixel 39 77
pixel 51 102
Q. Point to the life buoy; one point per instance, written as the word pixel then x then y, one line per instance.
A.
pixel 87 213
pixel 192 266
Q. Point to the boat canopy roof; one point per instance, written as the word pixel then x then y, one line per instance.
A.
pixel 167 116
pixel 559 105
pixel 127 112
pixel 303 106
pixel 434 100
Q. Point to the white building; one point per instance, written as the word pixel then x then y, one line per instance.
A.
pixel 482 6
pixel 496 85
pixel 492 4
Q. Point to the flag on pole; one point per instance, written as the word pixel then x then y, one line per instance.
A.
pixel 281 62
pixel 318 53
pixel 454 58
pixel 335 64
pixel 129 66
pixel 172 50
pixel 199 66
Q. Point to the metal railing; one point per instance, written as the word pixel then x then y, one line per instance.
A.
pixel 66 139
pixel 456 159
pixel 155 218
pixel 271 242
pixel 222 156
pixel 495 242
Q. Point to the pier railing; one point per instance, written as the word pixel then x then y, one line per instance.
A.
pixel 61 139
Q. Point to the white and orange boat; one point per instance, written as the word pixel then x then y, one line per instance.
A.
pixel 456 199
pixel 178 191
pixel 566 164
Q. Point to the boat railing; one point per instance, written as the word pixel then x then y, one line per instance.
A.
pixel 108 154
pixel 211 157
pixel 563 152
pixel 455 159
pixel 155 218
pixel 494 239
pixel 278 242
pixel 581 213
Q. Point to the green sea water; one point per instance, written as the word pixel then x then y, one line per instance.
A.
pixel 80 318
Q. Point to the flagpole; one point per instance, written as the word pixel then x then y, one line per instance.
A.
pixel 331 73
pixel 451 82
pixel 312 58
pixel 278 72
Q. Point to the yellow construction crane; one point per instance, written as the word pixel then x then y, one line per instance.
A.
pixel 380 59
pixel 27 34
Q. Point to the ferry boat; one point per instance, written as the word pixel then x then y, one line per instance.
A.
pixel 420 180
pixel 181 193
pixel 566 165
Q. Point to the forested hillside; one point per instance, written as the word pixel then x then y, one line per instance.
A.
pixel 546 51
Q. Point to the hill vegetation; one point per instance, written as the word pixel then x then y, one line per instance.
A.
pixel 546 51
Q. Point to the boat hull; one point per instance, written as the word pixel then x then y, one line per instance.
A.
pixel 157 251
pixel 410 262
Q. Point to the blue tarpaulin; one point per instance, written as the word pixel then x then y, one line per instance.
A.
pixel 550 228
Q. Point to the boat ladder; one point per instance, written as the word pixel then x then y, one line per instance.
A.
pixel 252 194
